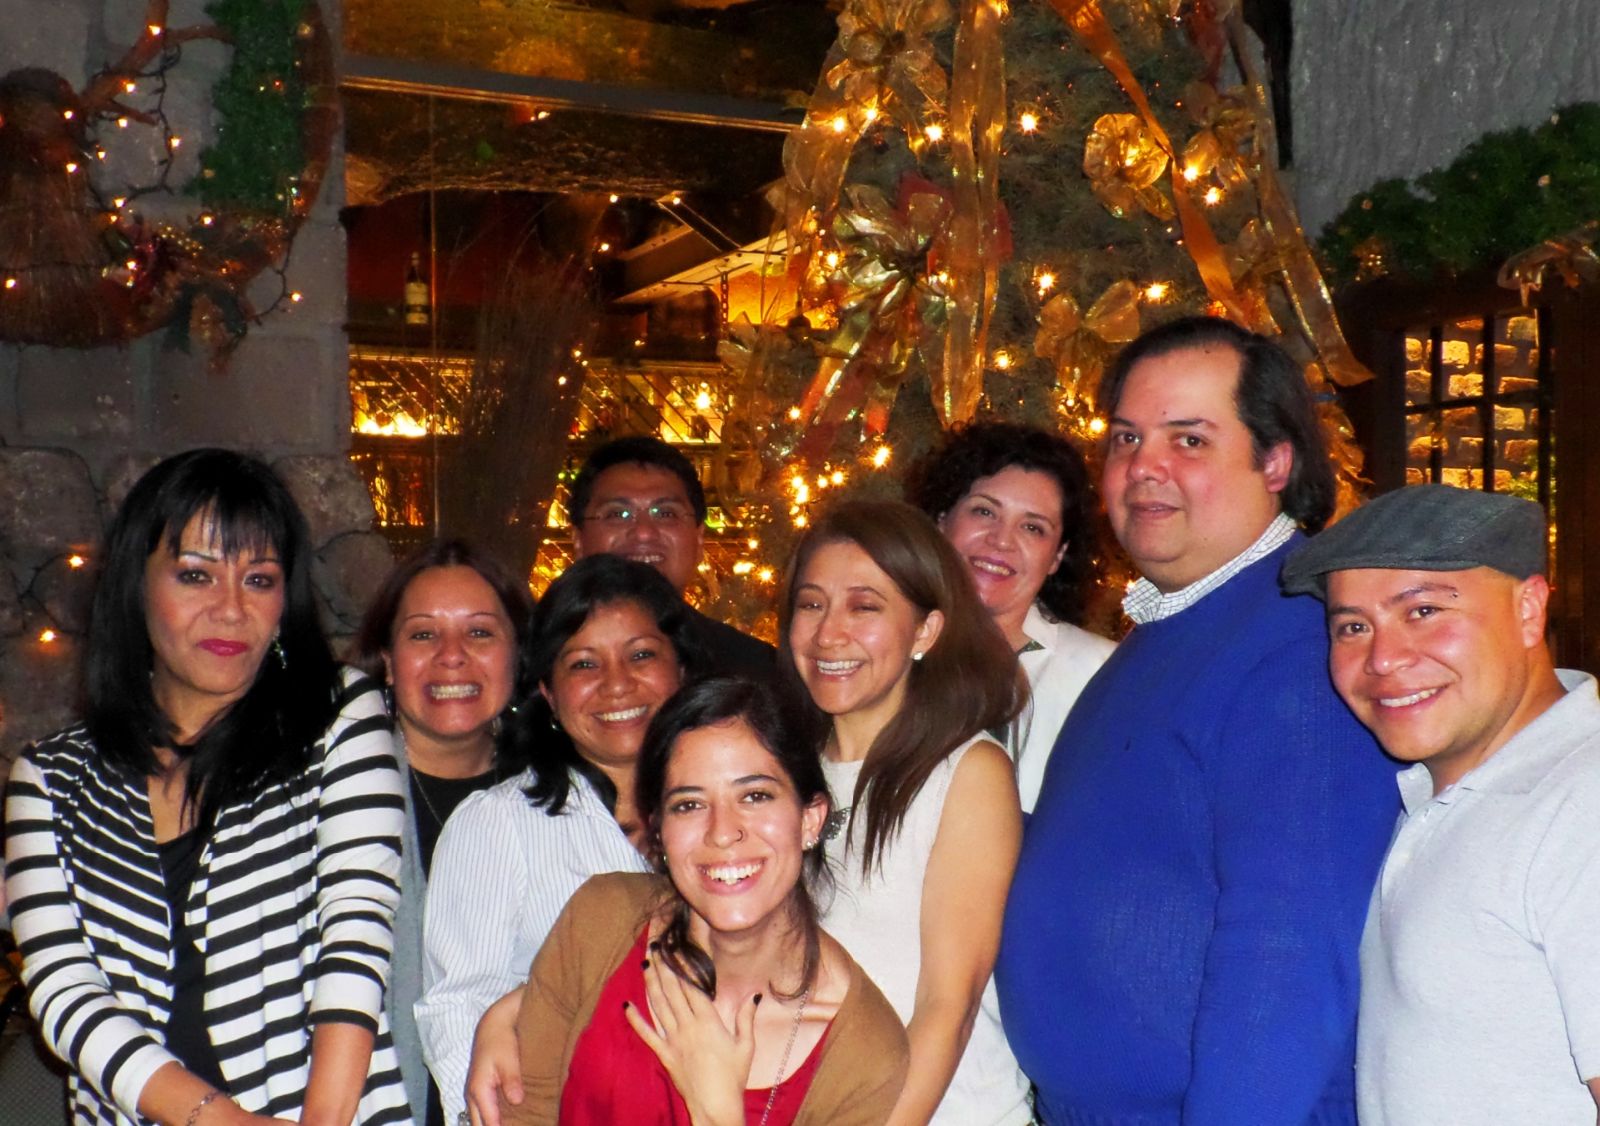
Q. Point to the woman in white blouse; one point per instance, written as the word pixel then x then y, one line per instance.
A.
pixel 609 642
pixel 1017 504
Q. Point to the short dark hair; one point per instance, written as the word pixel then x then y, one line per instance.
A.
pixel 937 481
pixel 376 635
pixel 706 704
pixel 638 449
pixel 1273 399
pixel 267 735
pixel 583 588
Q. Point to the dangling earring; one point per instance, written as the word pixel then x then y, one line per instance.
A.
pixel 277 651
pixel 494 727
pixel 388 698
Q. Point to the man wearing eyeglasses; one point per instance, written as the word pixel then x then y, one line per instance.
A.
pixel 639 498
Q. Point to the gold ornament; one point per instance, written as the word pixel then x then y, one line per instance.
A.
pixel 1123 161
pixel 1079 344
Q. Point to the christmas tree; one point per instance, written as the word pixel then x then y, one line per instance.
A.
pixel 982 206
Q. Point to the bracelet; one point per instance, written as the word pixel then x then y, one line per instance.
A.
pixel 194 1115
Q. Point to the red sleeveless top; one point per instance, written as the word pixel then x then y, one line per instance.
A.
pixel 615 1077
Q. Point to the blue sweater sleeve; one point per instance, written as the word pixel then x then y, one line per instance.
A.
pixel 1303 803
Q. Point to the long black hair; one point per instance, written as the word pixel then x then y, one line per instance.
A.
pixel 376 635
pixel 706 704
pixel 586 586
pixel 267 735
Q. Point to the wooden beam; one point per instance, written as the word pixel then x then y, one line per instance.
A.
pixel 446 80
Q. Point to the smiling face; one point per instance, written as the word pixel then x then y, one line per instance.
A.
pixel 853 634
pixel 1008 530
pixel 452 664
pixel 732 829
pixel 608 681
pixel 1183 487
pixel 670 541
pixel 211 618
pixel 1438 664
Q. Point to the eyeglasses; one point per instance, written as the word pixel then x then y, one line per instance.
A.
pixel 622 515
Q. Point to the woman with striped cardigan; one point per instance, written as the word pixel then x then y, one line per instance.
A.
pixel 202 875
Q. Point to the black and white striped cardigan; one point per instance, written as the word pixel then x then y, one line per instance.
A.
pixel 291 908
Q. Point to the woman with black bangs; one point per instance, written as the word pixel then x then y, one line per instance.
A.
pixel 203 874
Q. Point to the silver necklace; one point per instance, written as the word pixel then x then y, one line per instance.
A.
pixel 422 792
pixel 777 1080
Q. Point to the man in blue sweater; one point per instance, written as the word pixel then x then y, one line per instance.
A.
pixel 1180 943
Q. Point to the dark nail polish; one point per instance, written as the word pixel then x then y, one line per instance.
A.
pixel 645 965
pixel 758 998
pixel 626 1005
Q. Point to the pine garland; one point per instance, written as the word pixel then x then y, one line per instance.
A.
pixel 261 101
pixel 1506 192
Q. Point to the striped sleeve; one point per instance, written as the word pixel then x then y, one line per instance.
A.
pixel 359 820
pixel 81 1018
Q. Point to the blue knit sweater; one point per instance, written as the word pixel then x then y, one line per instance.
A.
pixel 1180 940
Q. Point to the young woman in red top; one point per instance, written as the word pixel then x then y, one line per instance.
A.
pixel 710 997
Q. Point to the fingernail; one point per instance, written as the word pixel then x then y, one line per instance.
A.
pixel 626 1005
pixel 645 965
pixel 758 998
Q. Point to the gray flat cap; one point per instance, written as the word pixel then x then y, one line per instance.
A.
pixel 1424 528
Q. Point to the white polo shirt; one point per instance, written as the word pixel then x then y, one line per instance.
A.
pixel 1480 963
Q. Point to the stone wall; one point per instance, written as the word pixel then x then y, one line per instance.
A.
pixel 78 426
pixel 1387 88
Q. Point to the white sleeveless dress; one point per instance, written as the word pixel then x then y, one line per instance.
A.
pixel 878 920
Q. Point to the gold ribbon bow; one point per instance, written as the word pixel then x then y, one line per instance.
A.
pixel 1571 255
pixel 1123 161
pixel 1227 122
pixel 1079 344
pixel 889 61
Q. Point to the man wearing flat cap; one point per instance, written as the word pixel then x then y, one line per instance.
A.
pixel 1480 962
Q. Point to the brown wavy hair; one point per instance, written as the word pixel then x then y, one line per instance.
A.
pixel 967 683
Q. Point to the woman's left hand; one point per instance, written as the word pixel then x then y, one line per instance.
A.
pixel 708 1063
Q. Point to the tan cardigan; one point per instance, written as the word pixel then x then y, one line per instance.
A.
pixel 863 1062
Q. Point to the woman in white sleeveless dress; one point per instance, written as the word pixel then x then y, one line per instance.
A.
pixel 882 625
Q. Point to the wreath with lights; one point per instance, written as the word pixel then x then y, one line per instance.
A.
pixel 85 263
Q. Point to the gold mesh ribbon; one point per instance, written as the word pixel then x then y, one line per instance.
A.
pixel 1088 23
pixel 977 120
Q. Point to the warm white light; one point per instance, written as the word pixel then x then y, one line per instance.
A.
pixel 122 123
pixel 605 246
pixel 47 635
pixel 743 567
pixel 840 123
pixel 934 133
pixel 794 413
pixel 207 220
pixel 702 401
pixel 153 29
pixel 1156 291
pixel 1028 122
pixel 880 457
pixel 838 477
pixel 174 142
pixel 76 561
pixel 765 574
pixel 1045 281
pixel 130 87
pixel 67 113
pixel 72 166
pixel 296 296
pixel 1002 360
pixel 614 197
pixel 11 283
pixel 561 381
pixel 831 259
pixel 1097 426
pixel 871 114
pixel 1213 196
pixel 119 201
pixel 1191 173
